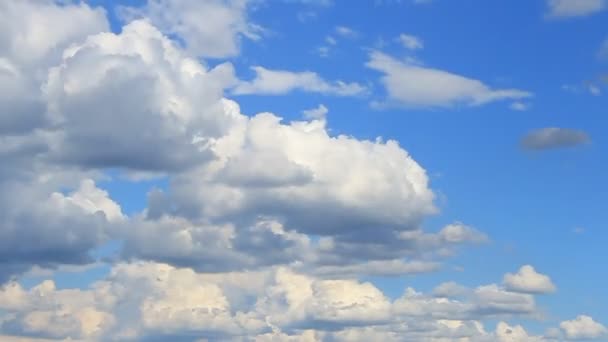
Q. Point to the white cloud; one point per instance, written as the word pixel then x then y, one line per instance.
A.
pixel 91 199
pixel 79 315
pixel 412 85
pixel 323 51
pixel 519 106
pixel 25 42
pixel 494 300
pixel 594 90
pixel 278 82
pixel 574 8
pixel 583 328
pixel 346 32
pixel 28 48
pixel 410 42
pixel 162 99
pixel 140 300
pixel 527 280
pixel 211 28
pixel 377 183
pixel 507 333
pixel 66 227
pixel 458 232
pixel 316 113
pixel 286 215
pixel 449 289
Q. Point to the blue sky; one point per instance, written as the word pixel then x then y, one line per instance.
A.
pixel 255 170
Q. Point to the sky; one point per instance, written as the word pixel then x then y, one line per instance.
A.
pixel 303 170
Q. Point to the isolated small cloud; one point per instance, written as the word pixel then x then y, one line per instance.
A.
pixel 574 8
pixel 583 328
pixel 458 233
pixel 519 106
pixel 579 230
pixel 410 84
pixel 410 42
pixel 527 280
pixel 346 32
pixel 554 137
pixel 316 113
pixel 595 90
pixel 279 82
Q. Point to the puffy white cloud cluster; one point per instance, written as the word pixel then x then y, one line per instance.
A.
pixel 143 301
pixel 245 192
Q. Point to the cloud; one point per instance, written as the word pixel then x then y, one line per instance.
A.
pixel 279 82
pixel 207 28
pixel 553 137
pixel 66 227
pixel 137 301
pixel 265 228
pixel 449 289
pixel 527 280
pixel 583 328
pixel 79 316
pixel 377 183
pixel 27 52
pixel 519 106
pixel 507 333
pixel 316 113
pixel 603 52
pixel 412 85
pixel 175 121
pixel 574 8
pixel 410 42
pixel 493 300
pixel 458 232
pixel 161 98
pixel 346 32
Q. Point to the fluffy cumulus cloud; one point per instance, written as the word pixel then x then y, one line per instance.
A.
pixel 277 82
pixel 142 301
pixel 575 8
pixel 411 84
pixel 527 280
pixel 28 48
pixel 65 228
pixel 139 79
pixel 554 137
pixel 136 101
pixel 583 328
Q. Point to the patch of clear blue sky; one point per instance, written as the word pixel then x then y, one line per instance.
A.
pixel 529 203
